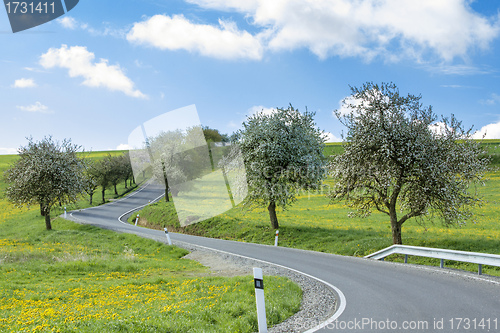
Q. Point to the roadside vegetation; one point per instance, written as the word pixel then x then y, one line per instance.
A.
pixel 313 223
pixel 78 278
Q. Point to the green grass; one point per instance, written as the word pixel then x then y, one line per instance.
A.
pixel 333 148
pixel 78 278
pixel 313 223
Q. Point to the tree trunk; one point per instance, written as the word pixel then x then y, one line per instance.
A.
pixel 396 231
pixel 103 192
pixel 41 210
pixel 395 225
pixel 126 183
pixel 90 200
pixel 166 181
pixel 46 212
pixel 116 192
pixel 272 214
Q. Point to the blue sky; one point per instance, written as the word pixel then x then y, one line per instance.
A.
pixel 102 70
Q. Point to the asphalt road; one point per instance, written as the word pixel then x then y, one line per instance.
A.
pixel 373 296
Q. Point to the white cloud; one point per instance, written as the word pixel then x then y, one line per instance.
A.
pixel 455 86
pixel 347 106
pixel 438 128
pixel 492 131
pixel 178 33
pixel 80 63
pixel 24 83
pixel 369 28
pixel 68 22
pixel 37 107
pixel 31 69
pixel 331 138
pixel 123 146
pixel 8 151
pixel 457 69
pixel 494 99
pixel 238 5
pixel 73 24
pixel 261 109
pixel 250 112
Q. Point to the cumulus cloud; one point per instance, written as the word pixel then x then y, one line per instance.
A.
pixel 348 105
pixel 24 83
pixel 68 22
pixel 123 146
pixel 81 63
pixel 36 108
pixel 225 41
pixel 438 128
pixel 331 137
pixel 490 131
pixel 391 29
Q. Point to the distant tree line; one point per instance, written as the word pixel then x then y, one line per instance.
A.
pixel 50 173
pixel 106 173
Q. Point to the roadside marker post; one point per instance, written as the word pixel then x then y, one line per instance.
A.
pixel 136 219
pixel 259 298
pixel 276 238
pixel 168 236
pixel 65 212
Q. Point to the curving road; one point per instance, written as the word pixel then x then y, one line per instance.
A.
pixel 373 296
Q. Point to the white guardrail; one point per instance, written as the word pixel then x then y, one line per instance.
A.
pixel 443 254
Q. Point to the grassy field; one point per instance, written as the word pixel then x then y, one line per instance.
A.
pixel 78 278
pixel 314 223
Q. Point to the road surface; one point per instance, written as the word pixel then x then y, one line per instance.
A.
pixel 373 296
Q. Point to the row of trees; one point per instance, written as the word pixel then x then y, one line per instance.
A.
pixel 107 172
pixel 50 173
pixel 393 161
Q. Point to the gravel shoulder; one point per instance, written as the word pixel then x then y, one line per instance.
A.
pixel 318 300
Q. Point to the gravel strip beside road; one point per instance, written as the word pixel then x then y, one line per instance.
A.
pixel 318 300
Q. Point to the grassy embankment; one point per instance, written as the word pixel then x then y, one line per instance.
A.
pixel 314 223
pixel 79 278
